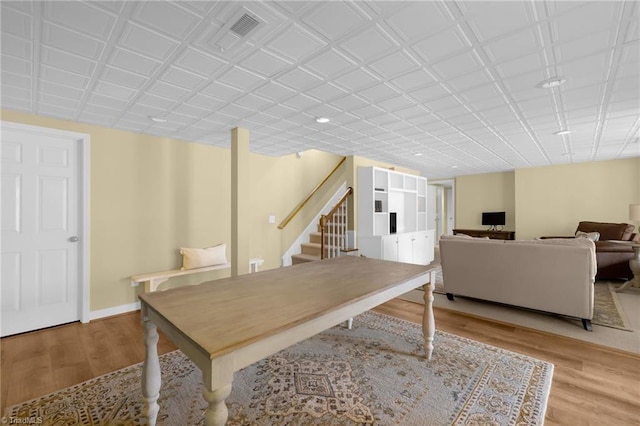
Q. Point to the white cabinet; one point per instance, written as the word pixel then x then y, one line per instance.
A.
pixel 409 247
pixel 392 216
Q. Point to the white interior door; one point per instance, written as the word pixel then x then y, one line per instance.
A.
pixel 40 231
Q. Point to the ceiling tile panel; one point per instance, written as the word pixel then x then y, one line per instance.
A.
pixel 56 100
pixel 64 78
pixel 429 93
pixel 81 17
pixel 457 66
pixel 166 90
pixel 378 92
pixel 513 46
pixel 393 65
pixel 441 45
pixel 585 19
pixel 414 20
pixel 66 61
pixel 146 42
pixel 203 101
pixel 221 91
pixel 295 43
pixel 299 80
pixel 182 78
pixel 348 103
pixel 198 62
pixel 15 46
pixel 123 78
pixel 107 101
pixel 190 110
pixel 57 90
pixel 467 81
pixel 367 44
pixel 492 19
pixel 16 23
pixel 334 19
pixel 265 63
pixel 166 18
pixel 15 65
pixel 586 46
pixel 356 80
pixel 412 80
pixel 301 102
pixel 134 62
pixel 156 101
pixel 241 79
pixel 329 63
pixel 326 92
pixel 253 102
pixel 520 65
pixel 71 41
pixel 115 91
pixel 395 103
pixel 274 91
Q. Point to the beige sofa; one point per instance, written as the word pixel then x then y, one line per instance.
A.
pixel 553 275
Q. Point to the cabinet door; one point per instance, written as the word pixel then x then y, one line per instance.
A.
pixel 405 248
pixel 390 248
pixel 421 248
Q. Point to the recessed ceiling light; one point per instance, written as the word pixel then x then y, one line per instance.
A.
pixel 158 119
pixel 562 132
pixel 552 82
pixel 454 167
pixel 417 154
pixel 322 120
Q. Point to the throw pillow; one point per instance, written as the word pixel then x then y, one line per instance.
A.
pixel 199 258
pixel 593 236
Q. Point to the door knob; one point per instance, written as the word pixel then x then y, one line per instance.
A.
pixel 73 239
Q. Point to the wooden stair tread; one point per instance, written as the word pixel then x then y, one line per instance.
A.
pixel 302 258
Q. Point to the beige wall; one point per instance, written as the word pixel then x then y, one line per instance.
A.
pixel 490 192
pixel 150 195
pixel 551 200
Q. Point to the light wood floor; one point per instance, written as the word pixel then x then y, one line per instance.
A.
pixel 592 385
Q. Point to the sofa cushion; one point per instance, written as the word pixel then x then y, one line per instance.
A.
pixel 593 236
pixel 608 231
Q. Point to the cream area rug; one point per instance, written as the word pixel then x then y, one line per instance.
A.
pixel 374 374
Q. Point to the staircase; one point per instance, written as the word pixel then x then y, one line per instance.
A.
pixel 331 238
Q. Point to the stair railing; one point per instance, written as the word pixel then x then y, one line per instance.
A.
pixel 302 203
pixel 333 228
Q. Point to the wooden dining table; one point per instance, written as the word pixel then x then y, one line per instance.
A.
pixel 228 324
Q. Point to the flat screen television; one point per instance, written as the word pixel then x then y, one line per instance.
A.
pixel 494 218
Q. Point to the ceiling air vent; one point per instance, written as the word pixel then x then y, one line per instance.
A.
pixel 244 25
pixel 237 28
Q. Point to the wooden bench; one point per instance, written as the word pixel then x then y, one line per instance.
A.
pixel 152 280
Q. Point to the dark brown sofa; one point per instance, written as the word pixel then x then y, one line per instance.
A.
pixel 612 258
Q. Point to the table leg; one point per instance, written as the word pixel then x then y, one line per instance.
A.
pixel 151 372
pixel 634 264
pixel 217 413
pixel 428 322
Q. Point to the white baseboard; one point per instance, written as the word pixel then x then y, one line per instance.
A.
pixel 116 310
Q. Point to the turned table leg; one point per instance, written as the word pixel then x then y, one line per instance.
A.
pixel 151 372
pixel 217 412
pixel 428 322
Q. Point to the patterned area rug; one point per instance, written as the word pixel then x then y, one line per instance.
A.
pixel 374 374
pixel 607 310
